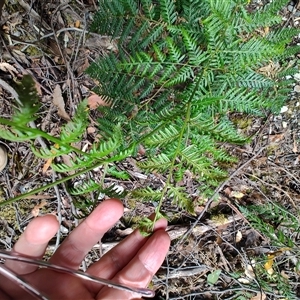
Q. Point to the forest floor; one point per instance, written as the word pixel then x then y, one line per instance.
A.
pixel 245 245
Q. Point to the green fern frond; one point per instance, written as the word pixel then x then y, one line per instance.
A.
pixel 121 155
pixel 52 152
pixel 181 198
pixel 269 16
pixel 85 187
pixel 194 161
pixel 163 137
pixel 149 9
pixel 159 163
pixel 139 33
pixel 104 148
pixel 152 35
pixel 103 152
pixel 168 12
pixel 73 130
pixel 146 194
pixel 28 102
pixel 181 68
pixel 118 174
pixel 253 80
pixel 181 75
pixel 74 164
pixel 91 186
pixel 16 134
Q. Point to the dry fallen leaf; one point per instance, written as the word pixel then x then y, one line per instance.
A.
pixel 237 195
pixel 295 146
pixel 238 237
pixel 259 296
pixel 266 30
pixel 21 57
pixel 94 101
pixel 275 138
pixel 228 191
pixel 59 102
pixel 6 67
pixel 77 24
pixel 249 272
pixel 91 130
pixel 244 280
pixel 36 210
pixel 47 165
pixel 271 256
pixel 270 70
pixel 36 84
pixel 82 67
pixel 269 264
pixel 284 275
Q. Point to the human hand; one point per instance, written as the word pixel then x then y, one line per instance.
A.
pixel 132 262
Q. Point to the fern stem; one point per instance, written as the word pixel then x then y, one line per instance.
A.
pixel 40 133
pixel 50 185
pixel 105 168
pixel 175 156
pixel 143 138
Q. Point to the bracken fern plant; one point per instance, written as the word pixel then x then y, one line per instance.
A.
pixel 180 68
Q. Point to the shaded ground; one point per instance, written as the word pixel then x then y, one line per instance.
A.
pixel 251 229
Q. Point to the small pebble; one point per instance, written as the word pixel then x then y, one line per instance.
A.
pixel 297 88
pixel 284 125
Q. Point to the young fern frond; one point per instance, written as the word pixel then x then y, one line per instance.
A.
pixel 27 103
pixel 53 152
pixel 13 134
pixel 74 129
pixel 146 194
pixel 159 163
pixel 105 151
pixel 91 186
pixel 181 198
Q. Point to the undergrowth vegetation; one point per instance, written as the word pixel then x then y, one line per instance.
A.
pixel 181 67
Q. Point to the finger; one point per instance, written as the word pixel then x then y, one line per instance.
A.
pixel 118 257
pixel 140 270
pixel 4 296
pixel 33 242
pixel 73 250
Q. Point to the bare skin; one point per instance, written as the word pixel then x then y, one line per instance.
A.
pixel 133 262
